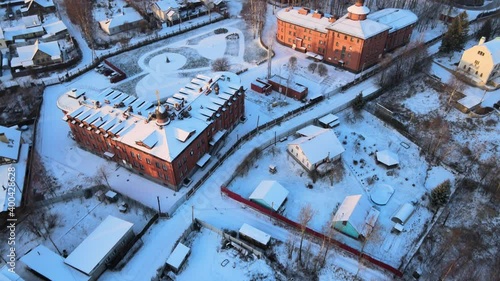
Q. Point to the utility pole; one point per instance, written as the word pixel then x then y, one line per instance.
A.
pixel 192 213
pixel 159 209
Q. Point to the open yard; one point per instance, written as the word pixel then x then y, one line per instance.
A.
pixel 361 136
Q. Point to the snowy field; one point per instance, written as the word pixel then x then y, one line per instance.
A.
pixel 207 257
pixel 411 181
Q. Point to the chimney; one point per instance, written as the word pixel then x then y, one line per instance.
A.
pixel 331 19
pixel 481 41
pixel 317 15
pixel 303 11
pixel 360 3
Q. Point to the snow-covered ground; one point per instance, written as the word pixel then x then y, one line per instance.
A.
pixel 207 257
pixel 411 180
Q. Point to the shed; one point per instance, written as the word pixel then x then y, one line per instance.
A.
pixel 403 214
pixel 254 235
pixel 178 257
pixel 269 194
pixel 388 158
pixel 261 86
pixel 329 121
pixel 111 196
pixel 355 217
pixel 101 246
pixel 310 131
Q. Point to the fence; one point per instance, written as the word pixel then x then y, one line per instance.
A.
pixel 310 231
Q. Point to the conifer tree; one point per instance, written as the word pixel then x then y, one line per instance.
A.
pixel 456 36
pixel 485 30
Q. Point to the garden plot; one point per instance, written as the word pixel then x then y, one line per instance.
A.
pixel 361 140
pixel 207 258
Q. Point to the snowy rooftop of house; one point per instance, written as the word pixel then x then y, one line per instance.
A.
pixel 51 265
pixel 319 147
pixel 355 210
pixel 30 21
pixel 293 16
pixel 178 255
pixel 55 27
pixel 493 47
pixel 363 29
pixel 395 18
pixel 11 32
pixel 255 234
pixel 10 142
pixel 43 3
pixel 273 193
pixel 129 15
pixel 310 131
pixel 387 157
pixel 26 53
pixel 5 180
pixel 135 129
pixel 98 244
pixel 470 101
pixel 166 5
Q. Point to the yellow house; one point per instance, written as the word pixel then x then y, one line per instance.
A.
pixel 482 62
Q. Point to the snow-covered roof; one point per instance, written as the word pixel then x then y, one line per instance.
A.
pixel 387 157
pixel 403 213
pixel 19 30
pixel 254 233
pixel 470 101
pixel 319 147
pixel 10 142
pixel 493 47
pixel 55 27
pixel 51 265
pixel 355 210
pixel 129 15
pixel 363 29
pixel 26 53
pixel 165 5
pixel 293 85
pixel 395 18
pixel 19 178
pixel 271 192
pixel 43 3
pixel 293 16
pixel 170 141
pixel 328 119
pixel 310 131
pixel 6 274
pixel 178 256
pixel 30 21
pixel 98 244
pixel 358 10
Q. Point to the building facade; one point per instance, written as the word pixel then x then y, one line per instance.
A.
pixel 355 41
pixel 165 143
pixel 482 62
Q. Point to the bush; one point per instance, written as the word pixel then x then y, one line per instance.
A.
pixel 441 194
pixel 220 31
pixel 312 67
pixel 358 102
pixel 322 70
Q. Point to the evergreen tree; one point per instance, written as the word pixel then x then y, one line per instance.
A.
pixel 456 36
pixel 485 30
pixel 358 102
pixel 440 194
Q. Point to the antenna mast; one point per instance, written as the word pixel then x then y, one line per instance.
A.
pixel 158 97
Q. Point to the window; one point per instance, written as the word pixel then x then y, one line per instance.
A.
pixel 345 37
pixel 139 156
pixel 132 153
pixel 164 167
pixel 191 152
pixel 142 166
pixel 148 161
pixel 337 44
pixel 157 165
pixel 480 53
pixel 476 62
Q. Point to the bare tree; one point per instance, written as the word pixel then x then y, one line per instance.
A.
pixel 322 70
pixel 80 14
pixel 221 64
pixel 312 66
pixel 102 175
pixel 305 216
pixel 456 85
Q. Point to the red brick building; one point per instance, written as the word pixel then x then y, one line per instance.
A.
pixel 355 41
pixel 166 142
